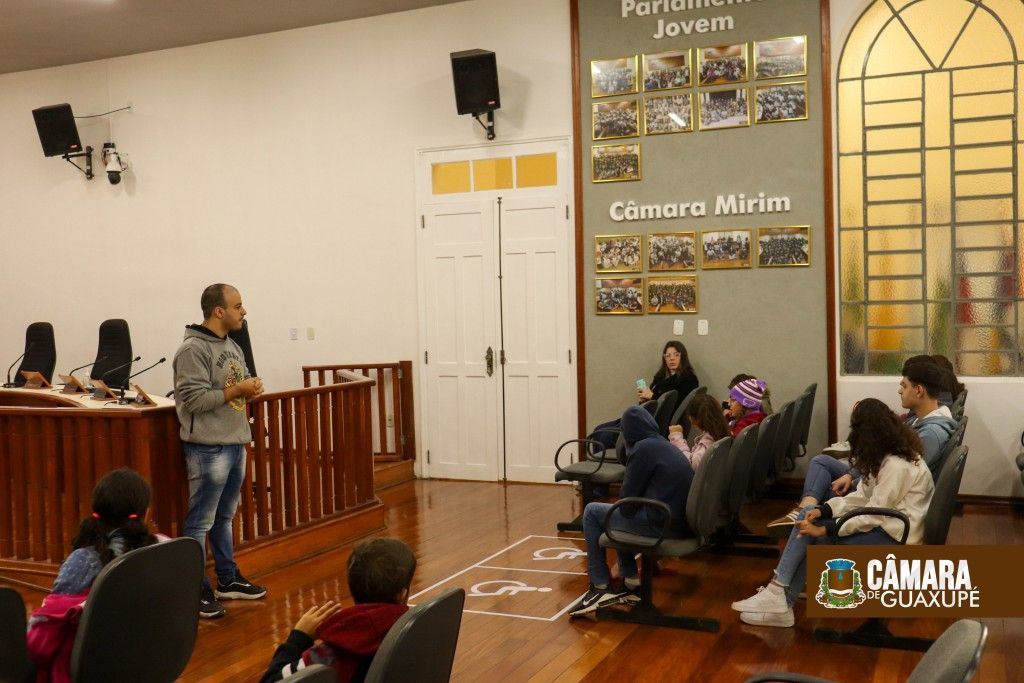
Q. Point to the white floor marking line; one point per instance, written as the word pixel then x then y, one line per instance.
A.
pixel 521 569
pixel 514 616
pixel 460 573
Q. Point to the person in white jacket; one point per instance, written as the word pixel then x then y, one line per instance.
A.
pixel 887 453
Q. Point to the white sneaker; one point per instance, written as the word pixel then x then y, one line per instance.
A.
pixel 782 620
pixel 770 599
pixel 839 449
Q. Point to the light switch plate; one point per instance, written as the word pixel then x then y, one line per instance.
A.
pixel 702 327
pixel 293 333
pixel 677 326
pixel 310 333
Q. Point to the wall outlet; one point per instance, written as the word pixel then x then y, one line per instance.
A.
pixel 677 326
pixel 391 421
pixel 702 327
pixel 310 333
pixel 293 333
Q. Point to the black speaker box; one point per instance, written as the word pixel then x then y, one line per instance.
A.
pixel 57 130
pixel 475 73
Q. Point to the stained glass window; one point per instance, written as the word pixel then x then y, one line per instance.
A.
pixel 930 212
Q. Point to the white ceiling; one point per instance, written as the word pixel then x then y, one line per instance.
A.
pixel 36 34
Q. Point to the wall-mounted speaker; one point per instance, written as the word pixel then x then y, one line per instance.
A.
pixel 57 130
pixel 475 73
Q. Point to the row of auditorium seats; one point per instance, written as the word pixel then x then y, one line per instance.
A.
pixel 140 624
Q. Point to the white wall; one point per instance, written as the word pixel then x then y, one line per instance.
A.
pixel 282 163
pixel 993 405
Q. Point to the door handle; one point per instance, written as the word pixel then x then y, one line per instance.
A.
pixel 489 358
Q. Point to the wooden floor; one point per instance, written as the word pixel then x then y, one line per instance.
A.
pixel 455 525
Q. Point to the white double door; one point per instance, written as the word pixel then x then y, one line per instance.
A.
pixel 498 374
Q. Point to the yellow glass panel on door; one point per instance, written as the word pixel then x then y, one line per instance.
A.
pixel 536 170
pixel 895 314
pixel 901 239
pixel 492 174
pixel 450 177
pixel 894 164
pixel 940 329
pixel 998 235
pixel 851 265
pixel 895 52
pixel 894 138
pixel 984 158
pixel 937 175
pixel 851 192
pixel 849 117
pixel 938 249
pixel 982 79
pixel 894 214
pixel 897 188
pixel 984 183
pixel 974 106
pixel 894 264
pixel 936 98
pixel 888 113
pixel 993 261
pixel 894 290
pixel 983 42
pixel 937 25
pixel 861 38
pixel 892 88
pixel 981 132
pixel 984 209
pixel 986 286
pixel 905 339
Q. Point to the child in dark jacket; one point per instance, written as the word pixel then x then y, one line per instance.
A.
pixel 379 575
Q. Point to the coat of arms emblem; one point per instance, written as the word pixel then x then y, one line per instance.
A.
pixel 840 586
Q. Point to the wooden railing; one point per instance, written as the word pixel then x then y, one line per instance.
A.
pixel 394 436
pixel 311 458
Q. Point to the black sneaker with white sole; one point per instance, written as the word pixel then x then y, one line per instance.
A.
pixel 239 588
pixel 209 608
pixel 597 597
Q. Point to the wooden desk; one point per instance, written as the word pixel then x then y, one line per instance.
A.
pixel 54 447
pixel 308 487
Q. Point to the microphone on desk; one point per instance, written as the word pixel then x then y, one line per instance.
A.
pixel 10 384
pixel 124 387
pixel 98 393
pixel 83 367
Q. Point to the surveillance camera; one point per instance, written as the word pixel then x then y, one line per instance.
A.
pixel 115 165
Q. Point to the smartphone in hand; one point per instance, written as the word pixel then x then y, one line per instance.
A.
pixel 641 384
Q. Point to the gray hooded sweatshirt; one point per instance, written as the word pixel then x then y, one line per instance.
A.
pixel 934 430
pixel 204 366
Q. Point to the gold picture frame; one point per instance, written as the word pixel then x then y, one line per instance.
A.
pixel 615 163
pixel 789 102
pixel 780 57
pixel 677 294
pixel 781 247
pixel 717 109
pixel 722 64
pixel 668 70
pixel 725 248
pixel 610 77
pixel 668 114
pixel 623 296
pixel 619 253
pixel 612 119
pixel 671 251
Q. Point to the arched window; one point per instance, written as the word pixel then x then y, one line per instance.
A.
pixel 931 250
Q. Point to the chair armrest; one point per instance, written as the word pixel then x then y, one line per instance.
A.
pixel 641 502
pixel 884 512
pixel 594 452
pixel 785 677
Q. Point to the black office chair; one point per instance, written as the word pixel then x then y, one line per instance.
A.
pixel 702 507
pixel 953 658
pixel 782 453
pixel 959 406
pixel 874 632
pixel 14 662
pixel 764 457
pixel 241 337
pixel 804 418
pixel 40 353
pixel 731 531
pixel 140 621
pixel 113 351
pixel 421 645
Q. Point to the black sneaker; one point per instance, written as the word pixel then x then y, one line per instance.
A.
pixel 239 588
pixel 597 597
pixel 209 608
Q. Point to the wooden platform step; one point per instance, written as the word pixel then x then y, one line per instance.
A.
pixel 387 474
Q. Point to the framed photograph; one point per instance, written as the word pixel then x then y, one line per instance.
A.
pixel 723 64
pixel 618 254
pixel 615 163
pixel 619 297
pixel 618 119
pixel 672 294
pixel 782 102
pixel 667 70
pixel 668 114
pixel 613 76
pixel 724 109
pixel 671 251
pixel 780 57
pixel 725 249
pixel 788 246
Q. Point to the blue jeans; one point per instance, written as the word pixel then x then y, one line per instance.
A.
pixel 593 526
pixel 792 570
pixel 215 475
pixel 823 470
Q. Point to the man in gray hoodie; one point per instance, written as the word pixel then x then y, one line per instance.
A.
pixel 920 390
pixel 211 387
